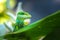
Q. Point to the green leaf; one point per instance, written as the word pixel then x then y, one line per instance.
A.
pixel 54 35
pixel 39 28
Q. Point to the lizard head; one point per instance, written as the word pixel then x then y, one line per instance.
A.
pixel 24 16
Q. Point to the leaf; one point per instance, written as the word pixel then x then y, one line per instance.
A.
pixel 54 35
pixel 39 28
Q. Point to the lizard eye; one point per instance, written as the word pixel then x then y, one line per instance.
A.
pixel 21 13
pixel 26 21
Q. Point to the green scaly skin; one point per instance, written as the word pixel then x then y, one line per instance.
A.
pixel 21 16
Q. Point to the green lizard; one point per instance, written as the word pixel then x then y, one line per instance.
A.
pixel 23 19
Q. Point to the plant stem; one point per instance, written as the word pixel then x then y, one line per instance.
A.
pixel 8 27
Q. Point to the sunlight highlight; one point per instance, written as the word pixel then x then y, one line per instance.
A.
pixel 2 1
